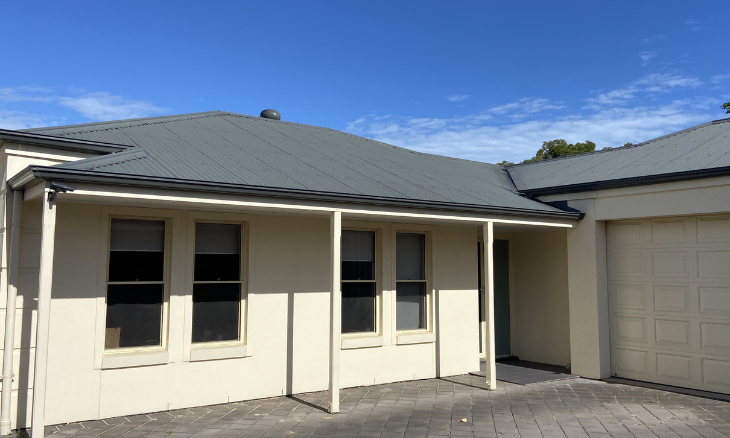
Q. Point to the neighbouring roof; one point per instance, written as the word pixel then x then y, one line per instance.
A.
pixel 697 152
pixel 237 153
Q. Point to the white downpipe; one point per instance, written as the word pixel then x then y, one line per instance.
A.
pixel 487 259
pixel 7 393
pixel 45 281
pixel 336 310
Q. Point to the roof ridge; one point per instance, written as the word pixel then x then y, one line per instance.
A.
pixel 106 160
pixel 643 143
pixel 324 128
pixel 141 121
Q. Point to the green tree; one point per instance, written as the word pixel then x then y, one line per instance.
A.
pixel 561 148
pixel 505 163
pixel 726 107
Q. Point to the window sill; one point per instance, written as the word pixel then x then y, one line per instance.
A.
pixel 218 352
pixel 370 341
pixel 136 359
pixel 415 338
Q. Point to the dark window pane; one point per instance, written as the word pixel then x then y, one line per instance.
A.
pixel 136 250
pixel 136 266
pixel 358 270
pixel 217 267
pixel 217 252
pixel 410 306
pixel 358 255
pixel 216 312
pixel 358 307
pixel 133 315
pixel 410 253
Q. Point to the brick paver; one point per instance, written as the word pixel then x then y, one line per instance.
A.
pixel 574 408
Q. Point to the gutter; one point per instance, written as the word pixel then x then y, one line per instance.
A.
pixel 628 182
pixel 68 144
pixel 87 176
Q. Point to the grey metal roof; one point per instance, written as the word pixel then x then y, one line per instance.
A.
pixel 243 151
pixel 700 151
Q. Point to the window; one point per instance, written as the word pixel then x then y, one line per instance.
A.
pixel 410 272
pixel 358 282
pixel 217 283
pixel 135 284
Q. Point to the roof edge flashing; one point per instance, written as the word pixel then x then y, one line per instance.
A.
pixel 93 177
pixel 628 182
pixel 62 143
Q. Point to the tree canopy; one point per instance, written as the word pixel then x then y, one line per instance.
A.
pixel 726 107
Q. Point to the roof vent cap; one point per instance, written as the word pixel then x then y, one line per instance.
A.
pixel 270 114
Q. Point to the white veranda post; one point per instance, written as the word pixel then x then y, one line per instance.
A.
pixel 45 277
pixel 488 269
pixel 10 313
pixel 335 310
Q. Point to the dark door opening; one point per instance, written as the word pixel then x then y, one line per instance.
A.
pixel 501 299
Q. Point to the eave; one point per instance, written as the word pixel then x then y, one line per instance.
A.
pixel 94 177
pixel 62 143
pixel 628 182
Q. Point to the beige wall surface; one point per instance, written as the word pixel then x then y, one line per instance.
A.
pixel 589 320
pixel 539 321
pixel 15 158
pixel 287 327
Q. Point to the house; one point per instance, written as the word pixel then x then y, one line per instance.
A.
pixel 188 260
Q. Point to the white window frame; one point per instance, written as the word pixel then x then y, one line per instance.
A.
pixel 131 356
pixel 200 351
pixel 423 335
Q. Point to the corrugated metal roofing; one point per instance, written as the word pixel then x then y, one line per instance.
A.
pixel 700 148
pixel 230 148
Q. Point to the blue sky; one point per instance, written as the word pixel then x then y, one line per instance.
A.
pixel 480 80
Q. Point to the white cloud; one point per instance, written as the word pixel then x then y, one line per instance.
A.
pixel 719 78
pixel 516 141
pixel 646 57
pixel 515 130
pixel 458 97
pixel 653 83
pixel 693 25
pixel 97 106
pixel 28 93
pixel 653 39
pixel 527 105
pixel 21 120
pixel 105 106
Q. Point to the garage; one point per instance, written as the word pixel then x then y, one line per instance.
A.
pixel 669 300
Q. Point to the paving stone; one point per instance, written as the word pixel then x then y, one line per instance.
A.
pixel 568 408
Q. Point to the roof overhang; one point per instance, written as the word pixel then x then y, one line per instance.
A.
pixel 32 174
pixel 628 182
pixel 63 143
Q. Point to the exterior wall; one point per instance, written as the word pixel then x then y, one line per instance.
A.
pixel 539 321
pixel 587 253
pixel 288 317
pixel 13 159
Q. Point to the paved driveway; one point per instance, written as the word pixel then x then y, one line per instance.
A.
pixel 437 408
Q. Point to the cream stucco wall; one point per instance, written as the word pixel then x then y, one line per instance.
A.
pixel 288 316
pixel 539 321
pixel 590 355
pixel 13 159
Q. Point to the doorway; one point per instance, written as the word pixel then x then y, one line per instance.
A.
pixel 501 300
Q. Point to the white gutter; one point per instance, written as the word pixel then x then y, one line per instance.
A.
pixel 207 201
pixel 7 392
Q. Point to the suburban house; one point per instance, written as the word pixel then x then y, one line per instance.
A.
pixel 189 260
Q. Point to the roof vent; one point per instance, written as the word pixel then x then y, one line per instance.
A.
pixel 270 114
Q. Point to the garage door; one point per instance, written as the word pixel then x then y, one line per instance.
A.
pixel 669 300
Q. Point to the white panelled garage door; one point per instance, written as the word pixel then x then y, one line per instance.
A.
pixel 669 300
